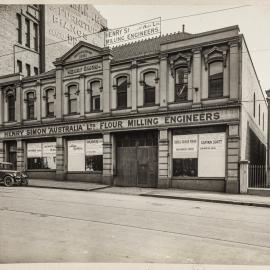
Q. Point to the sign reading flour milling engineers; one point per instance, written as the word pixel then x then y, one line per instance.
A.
pixel 173 120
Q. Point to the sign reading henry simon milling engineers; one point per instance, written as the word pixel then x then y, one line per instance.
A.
pixel 180 119
pixel 134 32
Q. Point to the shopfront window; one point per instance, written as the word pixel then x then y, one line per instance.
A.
pixel 149 88
pixel 11 108
pixel 41 156
pixel 72 99
pixel 181 84
pixel 95 96
pixel 216 79
pixel 122 92
pixel 50 103
pixel 85 155
pixel 193 153
pixel 30 103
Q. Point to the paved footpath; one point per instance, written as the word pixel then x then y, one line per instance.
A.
pixel 207 196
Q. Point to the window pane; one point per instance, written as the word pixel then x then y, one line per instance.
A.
pixel 122 84
pixel 185 167
pixel 73 106
pixel 95 87
pixel 96 103
pixel 11 108
pixel 149 95
pixel 122 100
pixel 149 79
pixel 94 163
pixel 216 79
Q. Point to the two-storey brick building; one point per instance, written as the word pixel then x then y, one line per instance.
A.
pixel 180 110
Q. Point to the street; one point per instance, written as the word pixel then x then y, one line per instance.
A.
pixel 49 225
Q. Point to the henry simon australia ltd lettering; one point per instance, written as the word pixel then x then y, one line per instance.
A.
pixel 163 120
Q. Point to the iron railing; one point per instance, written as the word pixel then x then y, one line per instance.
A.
pixel 257 176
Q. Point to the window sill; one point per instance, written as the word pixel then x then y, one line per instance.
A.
pixel 71 114
pixel 148 105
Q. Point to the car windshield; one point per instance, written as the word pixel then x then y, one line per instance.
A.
pixel 6 166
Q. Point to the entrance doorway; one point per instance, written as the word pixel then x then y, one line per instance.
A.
pixel 12 153
pixel 137 159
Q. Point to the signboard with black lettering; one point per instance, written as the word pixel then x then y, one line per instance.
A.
pixel 163 120
pixel 76 155
pixel 94 147
pixel 185 146
pixel 83 69
pixel 212 148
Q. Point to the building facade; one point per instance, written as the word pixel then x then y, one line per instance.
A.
pixel 180 110
pixel 32 36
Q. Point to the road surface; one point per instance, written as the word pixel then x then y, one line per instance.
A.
pixel 48 225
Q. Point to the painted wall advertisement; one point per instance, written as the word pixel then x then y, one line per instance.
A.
pixel 122 35
pixel 185 146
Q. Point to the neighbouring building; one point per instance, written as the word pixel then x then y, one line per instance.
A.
pixel 32 36
pixel 180 110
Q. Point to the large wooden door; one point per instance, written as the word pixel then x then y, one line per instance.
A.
pixel 136 162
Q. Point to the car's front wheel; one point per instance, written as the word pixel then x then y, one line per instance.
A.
pixel 24 182
pixel 8 181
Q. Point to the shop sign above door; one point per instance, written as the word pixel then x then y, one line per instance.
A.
pixel 168 120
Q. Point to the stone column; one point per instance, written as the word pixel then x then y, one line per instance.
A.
pixel 1 107
pixel 106 84
pixel 2 151
pixel 234 70
pixel 134 86
pixel 233 156
pixel 38 100
pixel 82 96
pixel 20 155
pixel 60 159
pixel 163 166
pixel 18 103
pixel 163 81
pixel 244 176
pixel 107 159
pixel 197 76
pixel 59 94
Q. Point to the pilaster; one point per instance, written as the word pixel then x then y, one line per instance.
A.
pixel 82 96
pixel 163 81
pixel 59 94
pixel 106 84
pixel 134 86
pixel 20 155
pixel 233 157
pixel 60 159
pixel 1 107
pixel 107 159
pixel 38 100
pixel 18 107
pixel 197 75
pixel 163 164
pixel 234 70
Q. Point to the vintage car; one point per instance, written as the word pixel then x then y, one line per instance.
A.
pixel 9 176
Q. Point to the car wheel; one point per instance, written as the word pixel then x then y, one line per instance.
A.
pixel 24 182
pixel 8 181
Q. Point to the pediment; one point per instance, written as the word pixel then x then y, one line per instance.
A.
pixel 81 51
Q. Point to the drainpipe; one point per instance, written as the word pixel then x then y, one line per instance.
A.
pixel 268 136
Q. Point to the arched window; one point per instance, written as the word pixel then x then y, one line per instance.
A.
pixel 181 84
pixel 121 92
pixel 149 88
pixel 72 99
pixel 30 103
pixel 11 107
pixel 216 79
pixel 95 95
pixel 50 103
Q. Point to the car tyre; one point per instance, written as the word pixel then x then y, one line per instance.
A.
pixel 8 181
pixel 24 182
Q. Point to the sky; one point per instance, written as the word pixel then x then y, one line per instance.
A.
pixel 253 19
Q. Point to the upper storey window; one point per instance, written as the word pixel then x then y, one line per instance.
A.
pixel 50 103
pixel 215 79
pixel 149 88
pixel 11 108
pixel 72 99
pixel 30 103
pixel 95 96
pixel 19 28
pixel 27 33
pixel 181 84
pixel 122 92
